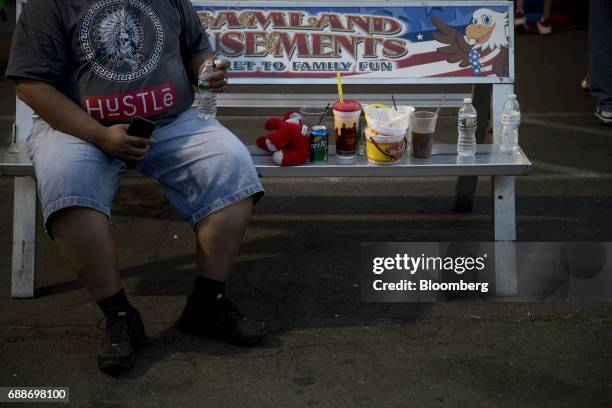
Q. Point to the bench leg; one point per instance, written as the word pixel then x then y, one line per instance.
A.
pixel 24 238
pixel 504 218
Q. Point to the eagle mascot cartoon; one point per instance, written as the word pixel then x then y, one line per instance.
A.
pixel 483 48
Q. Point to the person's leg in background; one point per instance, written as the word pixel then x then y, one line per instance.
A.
pixel 546 8
pixel 77 183
pixel 600 58
pixel 544 23
pixel 519 14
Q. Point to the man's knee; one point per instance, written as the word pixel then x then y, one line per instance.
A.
pixel 71 221
pixel 238 214
pixel 232 217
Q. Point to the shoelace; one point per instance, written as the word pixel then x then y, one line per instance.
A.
pixel 115 327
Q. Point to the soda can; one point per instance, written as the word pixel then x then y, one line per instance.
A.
pixel 318 144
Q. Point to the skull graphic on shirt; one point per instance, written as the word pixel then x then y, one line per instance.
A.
pixel 122 39
pixel 120 35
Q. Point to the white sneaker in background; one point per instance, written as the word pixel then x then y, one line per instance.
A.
pixel 544 26
pixel 604 115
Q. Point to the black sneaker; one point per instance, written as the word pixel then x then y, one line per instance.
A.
pixel 124 335
pixel 221 320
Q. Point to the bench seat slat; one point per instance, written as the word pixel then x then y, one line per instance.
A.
pixel 443 162
pixel 15 164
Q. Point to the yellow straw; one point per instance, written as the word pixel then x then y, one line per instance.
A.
pixel 340 95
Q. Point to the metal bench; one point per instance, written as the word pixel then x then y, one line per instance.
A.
pixel 268 91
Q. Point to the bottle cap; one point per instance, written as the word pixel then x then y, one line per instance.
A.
pixel 512 96
pixel 467 100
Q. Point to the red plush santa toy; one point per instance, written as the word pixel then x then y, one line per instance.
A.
pixel 287 140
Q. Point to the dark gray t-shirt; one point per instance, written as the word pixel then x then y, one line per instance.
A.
pixel 115 58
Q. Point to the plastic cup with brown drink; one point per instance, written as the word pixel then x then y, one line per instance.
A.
pixel 423 129
pixel 346 124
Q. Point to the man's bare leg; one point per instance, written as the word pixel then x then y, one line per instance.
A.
pixel 83 236
pixel 218 239
pixel 208 312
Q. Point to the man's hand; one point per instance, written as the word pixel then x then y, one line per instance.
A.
pixel 218 79
pixel 115 142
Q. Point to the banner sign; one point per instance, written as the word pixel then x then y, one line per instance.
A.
pixel 381 43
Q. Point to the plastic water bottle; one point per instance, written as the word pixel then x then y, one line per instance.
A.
pixel 207 99
pixel 511 120
pixel 466 145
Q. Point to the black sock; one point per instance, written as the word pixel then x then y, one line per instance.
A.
pixel 207 290
pixel 115 303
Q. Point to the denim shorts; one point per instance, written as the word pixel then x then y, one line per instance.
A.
pixel 201 166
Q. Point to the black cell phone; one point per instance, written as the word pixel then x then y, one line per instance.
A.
pixel 141 127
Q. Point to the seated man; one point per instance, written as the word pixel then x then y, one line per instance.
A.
pixel 87 68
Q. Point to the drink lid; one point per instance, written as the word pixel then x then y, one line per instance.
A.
pixel 347 106
pixel 512 96
pixel 467 100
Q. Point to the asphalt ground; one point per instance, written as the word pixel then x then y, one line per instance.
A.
pixel 298 271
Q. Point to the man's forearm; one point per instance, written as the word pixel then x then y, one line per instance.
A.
pixel 58 110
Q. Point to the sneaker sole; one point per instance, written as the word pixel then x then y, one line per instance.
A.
pixel 189 329
pixel 116 364
pixel 604 121
pixel 544 30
